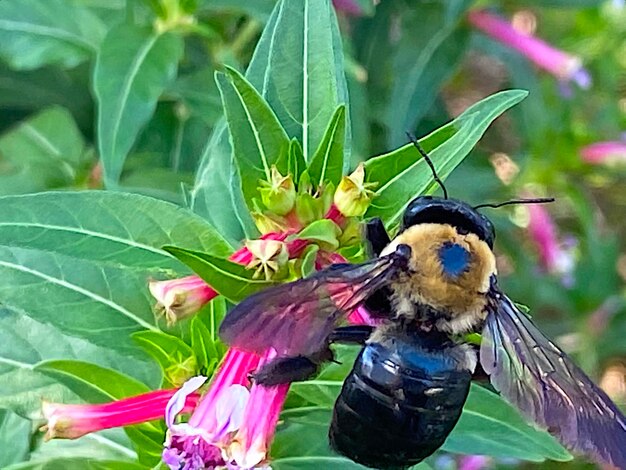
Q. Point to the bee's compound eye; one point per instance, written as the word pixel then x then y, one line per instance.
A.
pixel 404 251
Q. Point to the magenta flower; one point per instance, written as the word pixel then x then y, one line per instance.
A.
pixel 555 256
pixel 562 65
pixel 250 445
pixel 201 442
pixel 609 152
pixel 74 421
pixel 474 462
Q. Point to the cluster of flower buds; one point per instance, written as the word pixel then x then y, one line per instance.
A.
pixel 233 423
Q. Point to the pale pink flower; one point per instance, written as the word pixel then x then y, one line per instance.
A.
pixel 562 65
pixel 607 153
pixel 73 421
pixel 200 443
pixel 250 445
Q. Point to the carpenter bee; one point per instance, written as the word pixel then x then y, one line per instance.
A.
pixel 432 284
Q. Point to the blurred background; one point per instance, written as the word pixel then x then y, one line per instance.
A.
pixel 409 65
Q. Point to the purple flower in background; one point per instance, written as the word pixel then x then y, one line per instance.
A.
pixel 567 68
pixel 606 153
pixel 474 462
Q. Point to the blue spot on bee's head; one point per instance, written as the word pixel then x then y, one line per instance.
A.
pixel 454 259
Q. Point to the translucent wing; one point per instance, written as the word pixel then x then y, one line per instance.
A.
pixel 531 372
pixel 297 318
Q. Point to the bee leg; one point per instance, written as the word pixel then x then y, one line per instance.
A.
pixel 284 370
pixel 376 236
pixel 354 334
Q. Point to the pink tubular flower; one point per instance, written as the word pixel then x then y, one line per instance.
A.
pixel 609 152
pixel 563 66
pixel 73 421
pixel 251 443
pixel 555 257
pixel 200 443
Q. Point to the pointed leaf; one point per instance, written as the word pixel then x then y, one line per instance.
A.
pixel 133 67
pixel 204 347
pixel 169 351
pixel 402 174
pixel 109 227
pixel 35 33
pixel 258 138
pixel 217 193
pixel 231 280
pixel 430 48
pixel 45 151
pixel 298 68
pixel 92 383
pixel 327 162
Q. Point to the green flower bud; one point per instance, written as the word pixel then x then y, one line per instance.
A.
pixel 353 195
pixel 267 223
pixel 279 194
pixel 308 208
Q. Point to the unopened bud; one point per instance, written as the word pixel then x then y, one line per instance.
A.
pixel 308 208
pixel 180 298
pixel 268 223
pixel 353 195
pixel 279 194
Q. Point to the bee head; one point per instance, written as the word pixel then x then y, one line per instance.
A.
pixel 463 217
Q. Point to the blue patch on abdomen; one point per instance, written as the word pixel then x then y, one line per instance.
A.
pixel 454 259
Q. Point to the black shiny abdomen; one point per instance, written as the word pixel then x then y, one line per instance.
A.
pixel 398 404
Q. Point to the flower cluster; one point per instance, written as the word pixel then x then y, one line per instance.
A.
pixel 231 424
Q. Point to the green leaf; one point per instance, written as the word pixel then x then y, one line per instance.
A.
pixel 323 231
pixel 169 351
pixel 133 67
pixel 217 194
pixel 327 162
pixel 45 151
pixel 110 445
pixel 490 426
pixel 430 48
pixel 199 92
pixel 315 463
pixel 25 342
pixel 402 174
pixel 231 280
pixel 92 383
pixel 14 432
pixel 293 162
pixel 78 463
pixel 108 227
pixel 35 33
pixel 258 139
pixel 298 68
pixel 204 347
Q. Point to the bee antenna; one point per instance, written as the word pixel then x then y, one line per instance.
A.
pixel 540 200
pixel 429 161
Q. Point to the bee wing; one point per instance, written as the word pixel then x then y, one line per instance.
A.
pixel 531 372
pixel 297 318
